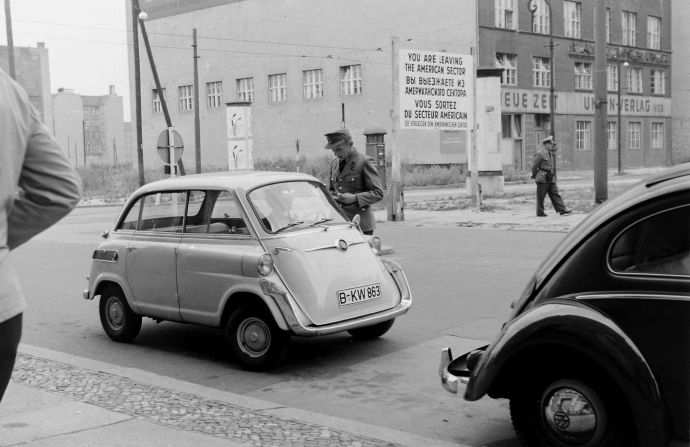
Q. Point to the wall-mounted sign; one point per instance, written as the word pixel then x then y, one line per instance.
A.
pixel 436 90
pixel 238 117
pixel 164 8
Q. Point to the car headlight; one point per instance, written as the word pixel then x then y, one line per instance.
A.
pixel 265 264
pixel 375 244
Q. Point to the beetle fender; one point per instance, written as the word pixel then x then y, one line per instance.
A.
pixel 572 327
pixel 105 277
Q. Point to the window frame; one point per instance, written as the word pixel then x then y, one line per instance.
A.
pixel 312 83
pixel 157 105
pixel 541 18
pixel 277 88
pixel 612 135
pixel 657 82
pixel 214 94
pixel 629 28
pixel 583 136
pixel 612 77
pixel 541 72
pixel 506 14
pixel 351 80
pixel 657 130
pixel 583 75
pixel 185 94
pixel 508 62
pixel 635 135
pixel 572 19
pixel 654 32
pixel 245 89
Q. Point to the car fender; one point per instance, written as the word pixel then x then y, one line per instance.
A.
pixel 116 279
pixel 244 289
pixel 576 327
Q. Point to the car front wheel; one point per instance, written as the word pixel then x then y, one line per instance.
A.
pixel 256 340
pixel 373 331
pixel 120 323
pixel 572 410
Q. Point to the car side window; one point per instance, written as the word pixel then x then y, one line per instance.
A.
pixel 131 220
pixel 226 216
pixel 197 214
pixel 162 211
pixel 659 244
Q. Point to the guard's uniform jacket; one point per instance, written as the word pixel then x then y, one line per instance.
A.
pixel 360 177
pixel 542 165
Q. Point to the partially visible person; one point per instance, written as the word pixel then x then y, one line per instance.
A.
pixel 354 181
pixel 544 174
pixel 38 187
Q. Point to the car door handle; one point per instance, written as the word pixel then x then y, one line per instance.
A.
pixel 131 248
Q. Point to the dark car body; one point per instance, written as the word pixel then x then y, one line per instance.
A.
pixel 596 351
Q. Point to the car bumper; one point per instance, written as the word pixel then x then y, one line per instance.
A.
pixel 456 372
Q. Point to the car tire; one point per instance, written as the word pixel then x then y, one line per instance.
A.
pixel 255 338
pixel 120 323
pixel 373 331
pixel 539 423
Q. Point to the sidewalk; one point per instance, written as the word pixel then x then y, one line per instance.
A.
pixel 60 400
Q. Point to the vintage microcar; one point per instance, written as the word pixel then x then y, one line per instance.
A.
pixel 596 351
pixel 261 255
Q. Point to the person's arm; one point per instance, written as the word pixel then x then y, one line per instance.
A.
pixel 536 164
pixel 372 191
pixel 49 187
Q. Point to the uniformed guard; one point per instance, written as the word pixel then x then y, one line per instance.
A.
pixel 354 181
pixel 544 174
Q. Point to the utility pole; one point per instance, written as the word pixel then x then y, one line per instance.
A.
pixel 601 102
pixel 137 90
pixel 395 203
pixel 197 121
pixel 10 39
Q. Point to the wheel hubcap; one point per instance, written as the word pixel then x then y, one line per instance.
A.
pixel 570 416
pixel 254 337
pixel 116 314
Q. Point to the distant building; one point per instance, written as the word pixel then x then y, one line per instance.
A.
pixel 303 66
pixel 638 60
pixel 91 128
pixel 32 73
pixel 680 81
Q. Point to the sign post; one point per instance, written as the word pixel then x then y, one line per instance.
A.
pixel 170 148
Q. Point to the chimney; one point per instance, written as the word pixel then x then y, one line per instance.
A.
pixel 111 89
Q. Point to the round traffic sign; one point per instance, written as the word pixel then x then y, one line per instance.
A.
pixel 163 146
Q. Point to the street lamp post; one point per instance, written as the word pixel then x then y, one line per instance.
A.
pixel 618 101
pixel 533 6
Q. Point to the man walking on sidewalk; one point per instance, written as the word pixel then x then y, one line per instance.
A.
pixel 38 187
pixel 544 174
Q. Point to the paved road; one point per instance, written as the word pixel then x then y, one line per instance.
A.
pixel 463 280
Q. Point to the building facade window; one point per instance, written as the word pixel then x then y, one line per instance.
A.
pixel 654 32
pixel 583 136
pixel 629 26
pixel 583 75
pixel 506 14
pixel 572 15
pixel 612 77
pixel 157 105
pixel 508 62
pixel 214 94
pixel 658 82
pixel 657 135
pixel 541 68
pixel 277 88
pixel 245 89
pixel 185 93
pixel 312 81
pixel 635 135
pixel 351 80
pixel 612 135
pixel 634 80
pixel 540 19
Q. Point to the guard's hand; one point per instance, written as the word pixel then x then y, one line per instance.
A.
pixel 347 198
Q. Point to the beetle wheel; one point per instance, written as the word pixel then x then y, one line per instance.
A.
pixel 567 411
pixel 120 323
pixel 256 340
pixel 373 331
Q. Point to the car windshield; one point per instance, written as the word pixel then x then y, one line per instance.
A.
pixel 291 206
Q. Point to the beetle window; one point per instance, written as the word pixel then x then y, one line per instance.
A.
pixel 658 245
pixel 162 211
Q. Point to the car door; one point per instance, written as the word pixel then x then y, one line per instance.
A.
pixel 209 257
pixel 151 251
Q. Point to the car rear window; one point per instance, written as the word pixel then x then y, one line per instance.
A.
pixel 659 244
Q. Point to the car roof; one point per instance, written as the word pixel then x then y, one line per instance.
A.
pixel 243 179
pixel 669 181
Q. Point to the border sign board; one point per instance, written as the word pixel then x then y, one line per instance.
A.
pixel 436 90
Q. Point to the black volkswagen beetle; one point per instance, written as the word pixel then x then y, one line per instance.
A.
pixel 596 351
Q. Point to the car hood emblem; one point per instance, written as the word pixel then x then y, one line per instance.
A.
pixel 343 245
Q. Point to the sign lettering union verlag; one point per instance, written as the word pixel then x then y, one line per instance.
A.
pixel 436 90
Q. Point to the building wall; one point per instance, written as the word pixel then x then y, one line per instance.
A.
pixel 258 38
pixel 32 73
pixel 531 104
pixel 68 111
pixel 680 81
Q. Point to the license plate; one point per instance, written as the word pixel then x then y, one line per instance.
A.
pixel 359 294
